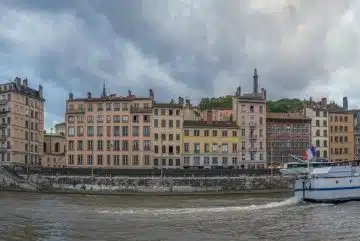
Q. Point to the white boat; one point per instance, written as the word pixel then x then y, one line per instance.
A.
pixel 325 182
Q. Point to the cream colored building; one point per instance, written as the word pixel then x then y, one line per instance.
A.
pixel 249 113
pixel 54 150
pixel 109 131
pixel 167 126
pixel 21 123
pixel 60 128
pixel 319 130
pixel 191 112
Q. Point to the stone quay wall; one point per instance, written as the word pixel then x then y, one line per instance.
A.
pixel 166 185
pixel 143 185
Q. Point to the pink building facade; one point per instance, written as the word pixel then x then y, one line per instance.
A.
pixel 218 114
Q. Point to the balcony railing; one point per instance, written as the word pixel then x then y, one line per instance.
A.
pixel 253 136
pixel 140 109
pixel 4 112
pixel 2 125
pixel 3 149
pixel 252 149
pixel 3 102
pixel 3 137
pixel 75 110
pixel 252 124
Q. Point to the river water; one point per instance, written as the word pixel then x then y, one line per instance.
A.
pixel 30 216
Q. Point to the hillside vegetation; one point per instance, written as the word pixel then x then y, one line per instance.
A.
pixel 282 105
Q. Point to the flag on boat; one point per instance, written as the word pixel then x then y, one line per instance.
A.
pixel 309 153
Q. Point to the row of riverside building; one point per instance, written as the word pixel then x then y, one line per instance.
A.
pixel 113 131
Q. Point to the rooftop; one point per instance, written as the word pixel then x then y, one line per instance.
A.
pixel 205 124
pixel 286 116
pixel 167 105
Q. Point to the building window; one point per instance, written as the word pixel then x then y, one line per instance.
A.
pixel 135 160
pixel 186 161
pixel 146 160
pixel 196 161
pixel 99 159
pixel 125 160
pixel 146 131
pixel 116 160
pixel 156 123
pixel 224 148
pixel 71 131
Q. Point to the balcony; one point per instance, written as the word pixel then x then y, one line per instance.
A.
pixel 252 149
pixel 76 111
pixel 3 102
pixel 3 125
pixel 252 124
pixel 3 137
pixel 3 149
pixel 252 137
pixel 140 109
pixel 4 112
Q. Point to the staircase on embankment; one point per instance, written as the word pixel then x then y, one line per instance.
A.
pixel 20 182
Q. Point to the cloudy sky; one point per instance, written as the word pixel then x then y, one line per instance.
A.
pixel 181 47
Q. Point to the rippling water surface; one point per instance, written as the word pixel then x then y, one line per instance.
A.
pixel 26 216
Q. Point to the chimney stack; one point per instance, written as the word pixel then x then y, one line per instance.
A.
pixel 238 91
pixel 209 117
pixel 18 83
pixel 89 95
pixel 324 101
pixel 41 92
pixel 345 103
pixel 151 93
pixel 256 84
pixel 71 96
pixel 263 93
pixel 25 82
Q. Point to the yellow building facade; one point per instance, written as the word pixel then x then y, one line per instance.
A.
pixel 209 144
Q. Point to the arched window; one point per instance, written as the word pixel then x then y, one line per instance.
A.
pixel 44 147
pixel 57 147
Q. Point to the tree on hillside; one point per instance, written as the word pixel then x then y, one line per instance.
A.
pixel 220 102
pixel 282 105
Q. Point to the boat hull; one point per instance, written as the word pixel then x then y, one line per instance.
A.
pixel 329 190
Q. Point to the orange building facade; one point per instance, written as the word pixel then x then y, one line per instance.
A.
pixel 341 138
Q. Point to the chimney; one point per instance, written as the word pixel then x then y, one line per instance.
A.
pixel 129 93
pixel 256 84
pixel 89 95
pixel 71 96
pixel 345 103
pixel 324 101
pixel 187 101
pixel 41 92
pixel 263 93
pixel 238 91
pixel 18 83
pixel 25 82
pixel 209 117
pixel 151 93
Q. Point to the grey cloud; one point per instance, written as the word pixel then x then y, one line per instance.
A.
pixel 183 47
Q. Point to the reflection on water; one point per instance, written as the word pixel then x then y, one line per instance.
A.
pixel 25 216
